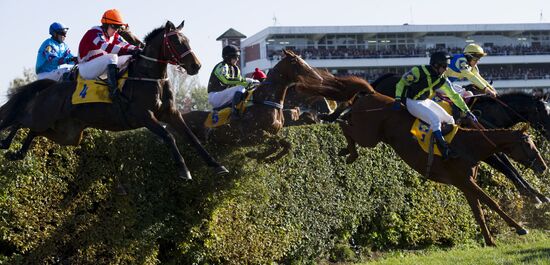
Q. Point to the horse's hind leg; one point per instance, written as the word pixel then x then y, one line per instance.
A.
pixel 21 153
pixel 539 197
pixel 177 122
pixel 6 143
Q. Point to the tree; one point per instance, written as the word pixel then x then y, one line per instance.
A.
pixel 28 76
pixel 190 95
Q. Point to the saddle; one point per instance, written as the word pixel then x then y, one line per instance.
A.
pixel 222 115
pixel 421 130
pixel 95 91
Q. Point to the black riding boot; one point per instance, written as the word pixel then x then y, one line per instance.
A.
pixel 112 71
pixel 443 146
pixel 237 97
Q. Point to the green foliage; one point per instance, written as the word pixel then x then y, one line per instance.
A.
pixel 116 199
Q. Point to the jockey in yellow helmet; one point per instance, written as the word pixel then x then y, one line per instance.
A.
pixel 464 66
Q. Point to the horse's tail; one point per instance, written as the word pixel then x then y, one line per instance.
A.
pixel 381 78
pixel 18 99
pixel 338 88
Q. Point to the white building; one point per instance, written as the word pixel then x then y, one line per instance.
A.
pixel 519 54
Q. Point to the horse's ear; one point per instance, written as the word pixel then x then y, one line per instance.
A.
pixel 286 52
pixel 169 25
pixel 181 25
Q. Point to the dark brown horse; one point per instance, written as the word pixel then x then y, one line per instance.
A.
pixel 264 118
pixel 504 111
pixel 46 109
pixel 372 121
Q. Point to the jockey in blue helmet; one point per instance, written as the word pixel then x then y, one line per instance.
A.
pixel 54 56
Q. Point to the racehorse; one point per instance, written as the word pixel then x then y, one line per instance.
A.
pixel 46 109
pixel 371 120
pixel 264 118
pixel 504 111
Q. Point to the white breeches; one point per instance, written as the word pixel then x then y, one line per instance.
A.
pixel 98 66
pixel 56 74
pixel 428 111
pixel 220 98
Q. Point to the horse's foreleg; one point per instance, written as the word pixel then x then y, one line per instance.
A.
pixel 177 122
pixel 6 143
pixel 280 142
pixel 480 218
pixel 21 153
pixel 351 147
pixel 153 125
pixel 539 197
pixel 483 197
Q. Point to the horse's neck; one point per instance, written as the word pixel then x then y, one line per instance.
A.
pixel 144 68
pixel 272 91
pixel 500 115
pixel 475 142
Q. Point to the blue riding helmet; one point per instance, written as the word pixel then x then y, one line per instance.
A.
pixel 57 27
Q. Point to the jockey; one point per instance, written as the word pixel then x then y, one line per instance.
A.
pixel 464 66
pixel 418 85
pixel 102 50
pixel 54 56
pixel 226 83
pixel 259 75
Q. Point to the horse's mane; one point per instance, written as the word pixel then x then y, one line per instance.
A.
pixel 338 88
pixel 517 95
pixel 152 34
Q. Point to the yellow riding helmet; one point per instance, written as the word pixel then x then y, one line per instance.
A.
pixel 474 50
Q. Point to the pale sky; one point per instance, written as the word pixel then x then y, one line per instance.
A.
pixel 24 24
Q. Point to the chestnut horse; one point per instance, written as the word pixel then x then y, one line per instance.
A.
pixel 264 118
pixel 372 121
pixel 504 111
pixel 46 109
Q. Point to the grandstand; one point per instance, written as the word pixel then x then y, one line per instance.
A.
pixel 519 54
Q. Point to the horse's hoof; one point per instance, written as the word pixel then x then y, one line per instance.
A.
pixel 221 170
pixel 522 231
pixel 185 175
pixel 13 156
pixel 343 152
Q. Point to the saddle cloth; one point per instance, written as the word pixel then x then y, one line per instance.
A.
pixel 94 91
pixel 217 118
pixel 421 130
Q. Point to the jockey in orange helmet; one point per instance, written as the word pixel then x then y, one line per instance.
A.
pixel 102 49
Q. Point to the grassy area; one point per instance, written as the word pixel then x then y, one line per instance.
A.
pixel 531 249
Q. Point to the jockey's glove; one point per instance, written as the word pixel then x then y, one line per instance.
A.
pixel 396 104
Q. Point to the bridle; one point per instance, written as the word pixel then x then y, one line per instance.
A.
pixel 169 51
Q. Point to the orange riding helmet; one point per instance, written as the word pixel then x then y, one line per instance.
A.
pixel 113 17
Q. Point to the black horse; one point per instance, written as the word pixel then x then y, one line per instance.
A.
pixel 46 109
pixel 501 112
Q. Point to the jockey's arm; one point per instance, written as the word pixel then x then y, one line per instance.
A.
pixel 476 79
pixel 222 73
pixel 455 97
pixel 406 80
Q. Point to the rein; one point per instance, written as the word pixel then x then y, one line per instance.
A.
pixel 175 57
